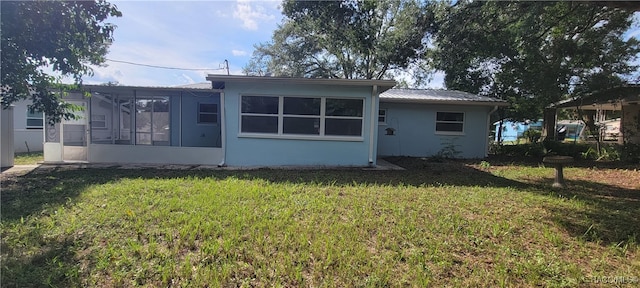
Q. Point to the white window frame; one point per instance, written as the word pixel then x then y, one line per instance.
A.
pixel 384 116
pixel 280 115
pixel 31 116
pixel 103 121
pixel 464 117
pixel 207 113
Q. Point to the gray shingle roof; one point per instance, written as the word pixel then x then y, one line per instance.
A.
pixel 437 96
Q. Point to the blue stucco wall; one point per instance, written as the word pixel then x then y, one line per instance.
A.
pixel 195 134
pixel 415 131
pixel 246 151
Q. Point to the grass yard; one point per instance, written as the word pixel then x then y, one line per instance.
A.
pixel 28 158
pixel 436 224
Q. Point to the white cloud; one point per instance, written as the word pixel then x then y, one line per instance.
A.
pixel 238 52
pixel 250 14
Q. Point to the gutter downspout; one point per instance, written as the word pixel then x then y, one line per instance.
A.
pixel 372 126
pixel 486 148
pixel 223 138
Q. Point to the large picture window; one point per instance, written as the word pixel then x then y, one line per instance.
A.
pixel 450 122
pixel 302 116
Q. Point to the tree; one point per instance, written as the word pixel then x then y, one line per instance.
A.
pixel 345 39
pixel 66 36
pixel 533 53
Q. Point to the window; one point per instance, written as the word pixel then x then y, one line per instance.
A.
pixel 382 116
pixel 34 120
pixel 98 121
pixel 301 116
pixel 207 113
pixel 344 117
pixel 450 122
pixel 305 116
pixel 260 114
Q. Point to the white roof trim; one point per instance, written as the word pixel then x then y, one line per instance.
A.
pixel 384 84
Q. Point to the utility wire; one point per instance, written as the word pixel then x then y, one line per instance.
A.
pixel 165 67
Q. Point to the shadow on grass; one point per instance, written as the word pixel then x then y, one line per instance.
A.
pixel 54 266
pixel 531 161
pixel 611 216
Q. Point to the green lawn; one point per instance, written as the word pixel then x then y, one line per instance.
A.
pixel 28 158
pixel 436 224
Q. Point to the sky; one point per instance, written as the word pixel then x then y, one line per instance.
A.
pixel 187 34
pixel 184 34
pixel 194 35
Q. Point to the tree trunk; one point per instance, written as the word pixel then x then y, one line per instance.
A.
pixel 549 128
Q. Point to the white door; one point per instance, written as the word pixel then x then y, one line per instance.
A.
pixel 74 135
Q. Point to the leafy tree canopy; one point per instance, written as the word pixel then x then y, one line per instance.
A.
pixel 66 36
pixel 359 39
pixel 533 53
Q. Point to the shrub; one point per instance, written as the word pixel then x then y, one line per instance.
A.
pixel 527 149
pixel 630 152
pixel 574 149
pixel 532 135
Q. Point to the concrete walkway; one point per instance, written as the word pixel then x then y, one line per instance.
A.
pixel 19 169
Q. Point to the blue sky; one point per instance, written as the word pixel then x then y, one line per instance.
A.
pixel 194 34
pixel 184 34
pixel 187 34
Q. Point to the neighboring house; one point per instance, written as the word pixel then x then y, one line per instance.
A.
pixel 27 127
pixel 624 99
pixel 610 129
pixel 269 121
pixel 571 130
pixel 420 123
pixel 511 131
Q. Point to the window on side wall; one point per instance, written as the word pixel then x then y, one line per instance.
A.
pixel 382 116
pixel 450 122
pixel 98 121
pixel 207 113
pixel 315 117
pixel 34 120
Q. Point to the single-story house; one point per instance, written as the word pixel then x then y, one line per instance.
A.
pixel 270 121
pixel 21 131
pixel 6 141
pixel 419 123
pixel 27 127
pixel 625 99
